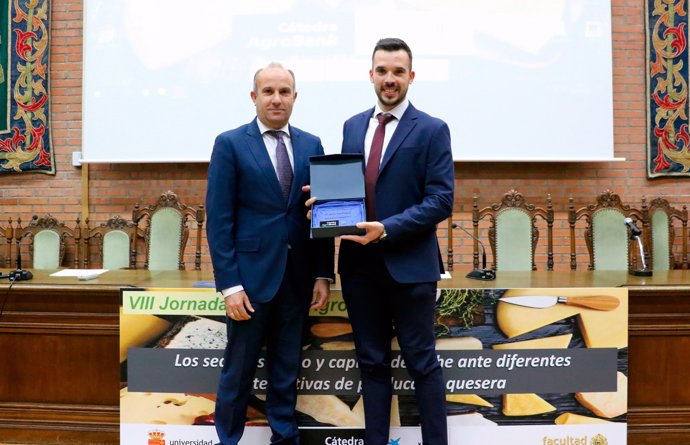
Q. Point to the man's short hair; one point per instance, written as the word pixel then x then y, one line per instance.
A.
pixel 391 44
pixel 274 65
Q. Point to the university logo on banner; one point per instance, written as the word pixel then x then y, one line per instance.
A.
pixel 156 438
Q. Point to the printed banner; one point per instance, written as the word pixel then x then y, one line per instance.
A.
pixel 25 142
pixel 528 375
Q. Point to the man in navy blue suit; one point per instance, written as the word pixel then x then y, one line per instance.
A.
pixel 266 266
pixel 389 274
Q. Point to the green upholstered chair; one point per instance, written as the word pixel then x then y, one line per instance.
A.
pixel 513 232
pixel 47 238
pixel 167 230
pixel 660 230
pixel 115 242
pixel 606 235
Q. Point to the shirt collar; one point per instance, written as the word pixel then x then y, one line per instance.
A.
pixel 398 111
pixel 263 128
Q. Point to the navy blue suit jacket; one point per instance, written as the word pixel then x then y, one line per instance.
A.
pixel 414 192
pixel 249 226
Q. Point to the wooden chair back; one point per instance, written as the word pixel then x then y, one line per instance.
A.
pixel 513 231
pixel 47 238
pixel 660 219
pixel 606 235
pixel 115 241
pixel 166 231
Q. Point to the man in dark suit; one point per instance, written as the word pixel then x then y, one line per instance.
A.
pixel 264 263
pixel 389 274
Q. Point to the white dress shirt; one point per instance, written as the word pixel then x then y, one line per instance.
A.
pixel 390 127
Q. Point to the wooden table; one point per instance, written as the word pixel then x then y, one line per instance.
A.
pixel 59 366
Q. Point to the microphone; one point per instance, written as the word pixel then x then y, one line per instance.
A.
pixel 635 233
pixel 19 274
pixel 483 273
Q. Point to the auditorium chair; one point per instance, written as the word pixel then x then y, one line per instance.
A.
pixel 513 232
pixel 606 235
pixel 48 238
pixel 166 231
pixel 660 233
pixel 115 241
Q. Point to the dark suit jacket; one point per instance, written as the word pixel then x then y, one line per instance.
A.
pixel 249 226
pixel 414 192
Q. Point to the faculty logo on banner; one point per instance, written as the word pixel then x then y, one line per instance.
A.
pixel 599 440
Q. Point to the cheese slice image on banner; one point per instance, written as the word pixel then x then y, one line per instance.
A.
pixel 163 408
pixel 525 405
pixel 468 399
pixel 607 404
pixel 605 329
pixel 577 419
pixel 328 409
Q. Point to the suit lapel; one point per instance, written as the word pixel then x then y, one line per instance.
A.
pixel 361 124
pixel 300 165
pixel 258 150
pixel 405 126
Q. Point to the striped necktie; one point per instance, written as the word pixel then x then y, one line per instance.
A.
pixel 283 167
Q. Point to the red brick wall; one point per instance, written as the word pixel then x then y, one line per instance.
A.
pixel 114 189
pixel 582 181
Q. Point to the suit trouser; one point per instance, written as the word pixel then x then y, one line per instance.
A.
pixel 279 322
pixel 379 308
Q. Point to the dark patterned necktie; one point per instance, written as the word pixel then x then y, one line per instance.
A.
pixel 283 167
pixel 371 173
